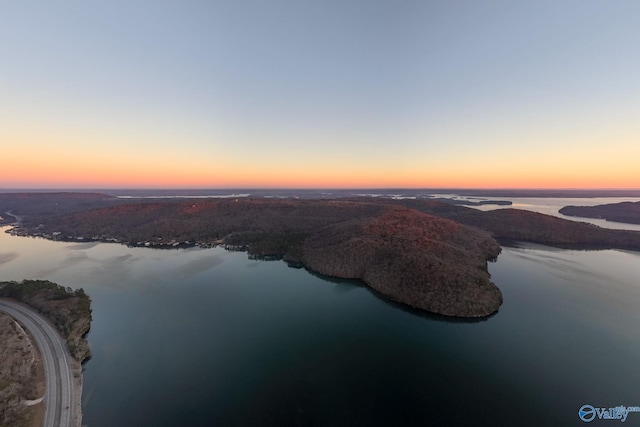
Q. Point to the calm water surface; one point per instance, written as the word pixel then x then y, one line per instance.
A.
pixel 208 337
pixel 552 206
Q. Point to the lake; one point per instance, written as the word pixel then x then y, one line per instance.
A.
pixel 200 337
pixel 552 206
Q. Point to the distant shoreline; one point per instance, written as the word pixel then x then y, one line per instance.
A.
pixel 625 212
pixel 336 192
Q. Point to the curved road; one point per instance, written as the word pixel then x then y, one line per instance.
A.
pixel 59 394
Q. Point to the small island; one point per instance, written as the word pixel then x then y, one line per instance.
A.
pixel 625 212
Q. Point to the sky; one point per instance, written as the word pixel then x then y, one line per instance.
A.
pixel 320 94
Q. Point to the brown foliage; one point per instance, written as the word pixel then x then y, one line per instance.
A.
pixel 416 259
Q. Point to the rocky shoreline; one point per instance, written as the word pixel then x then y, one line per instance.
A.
pixel 68 310
pixel 70 313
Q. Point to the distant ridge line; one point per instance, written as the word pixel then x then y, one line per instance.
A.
pixel 338 192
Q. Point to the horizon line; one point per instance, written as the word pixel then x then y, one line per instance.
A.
pixel 278 188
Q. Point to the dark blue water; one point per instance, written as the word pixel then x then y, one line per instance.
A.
pixel 208 337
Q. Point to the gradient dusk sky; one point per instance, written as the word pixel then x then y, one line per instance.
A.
pixel 313 93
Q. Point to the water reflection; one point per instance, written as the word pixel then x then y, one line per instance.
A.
pixel 82 246
pixel 7 256
pixel 343 286
pixel 199 265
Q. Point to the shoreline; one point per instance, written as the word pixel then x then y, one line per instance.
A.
pixel 75 368
pixel 420 289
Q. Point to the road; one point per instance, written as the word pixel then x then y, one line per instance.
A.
pixel 59 395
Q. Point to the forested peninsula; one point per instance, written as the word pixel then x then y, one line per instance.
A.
pixel 425 254
pixel 627 212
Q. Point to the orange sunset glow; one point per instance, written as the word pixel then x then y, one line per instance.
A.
pixel 553 105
